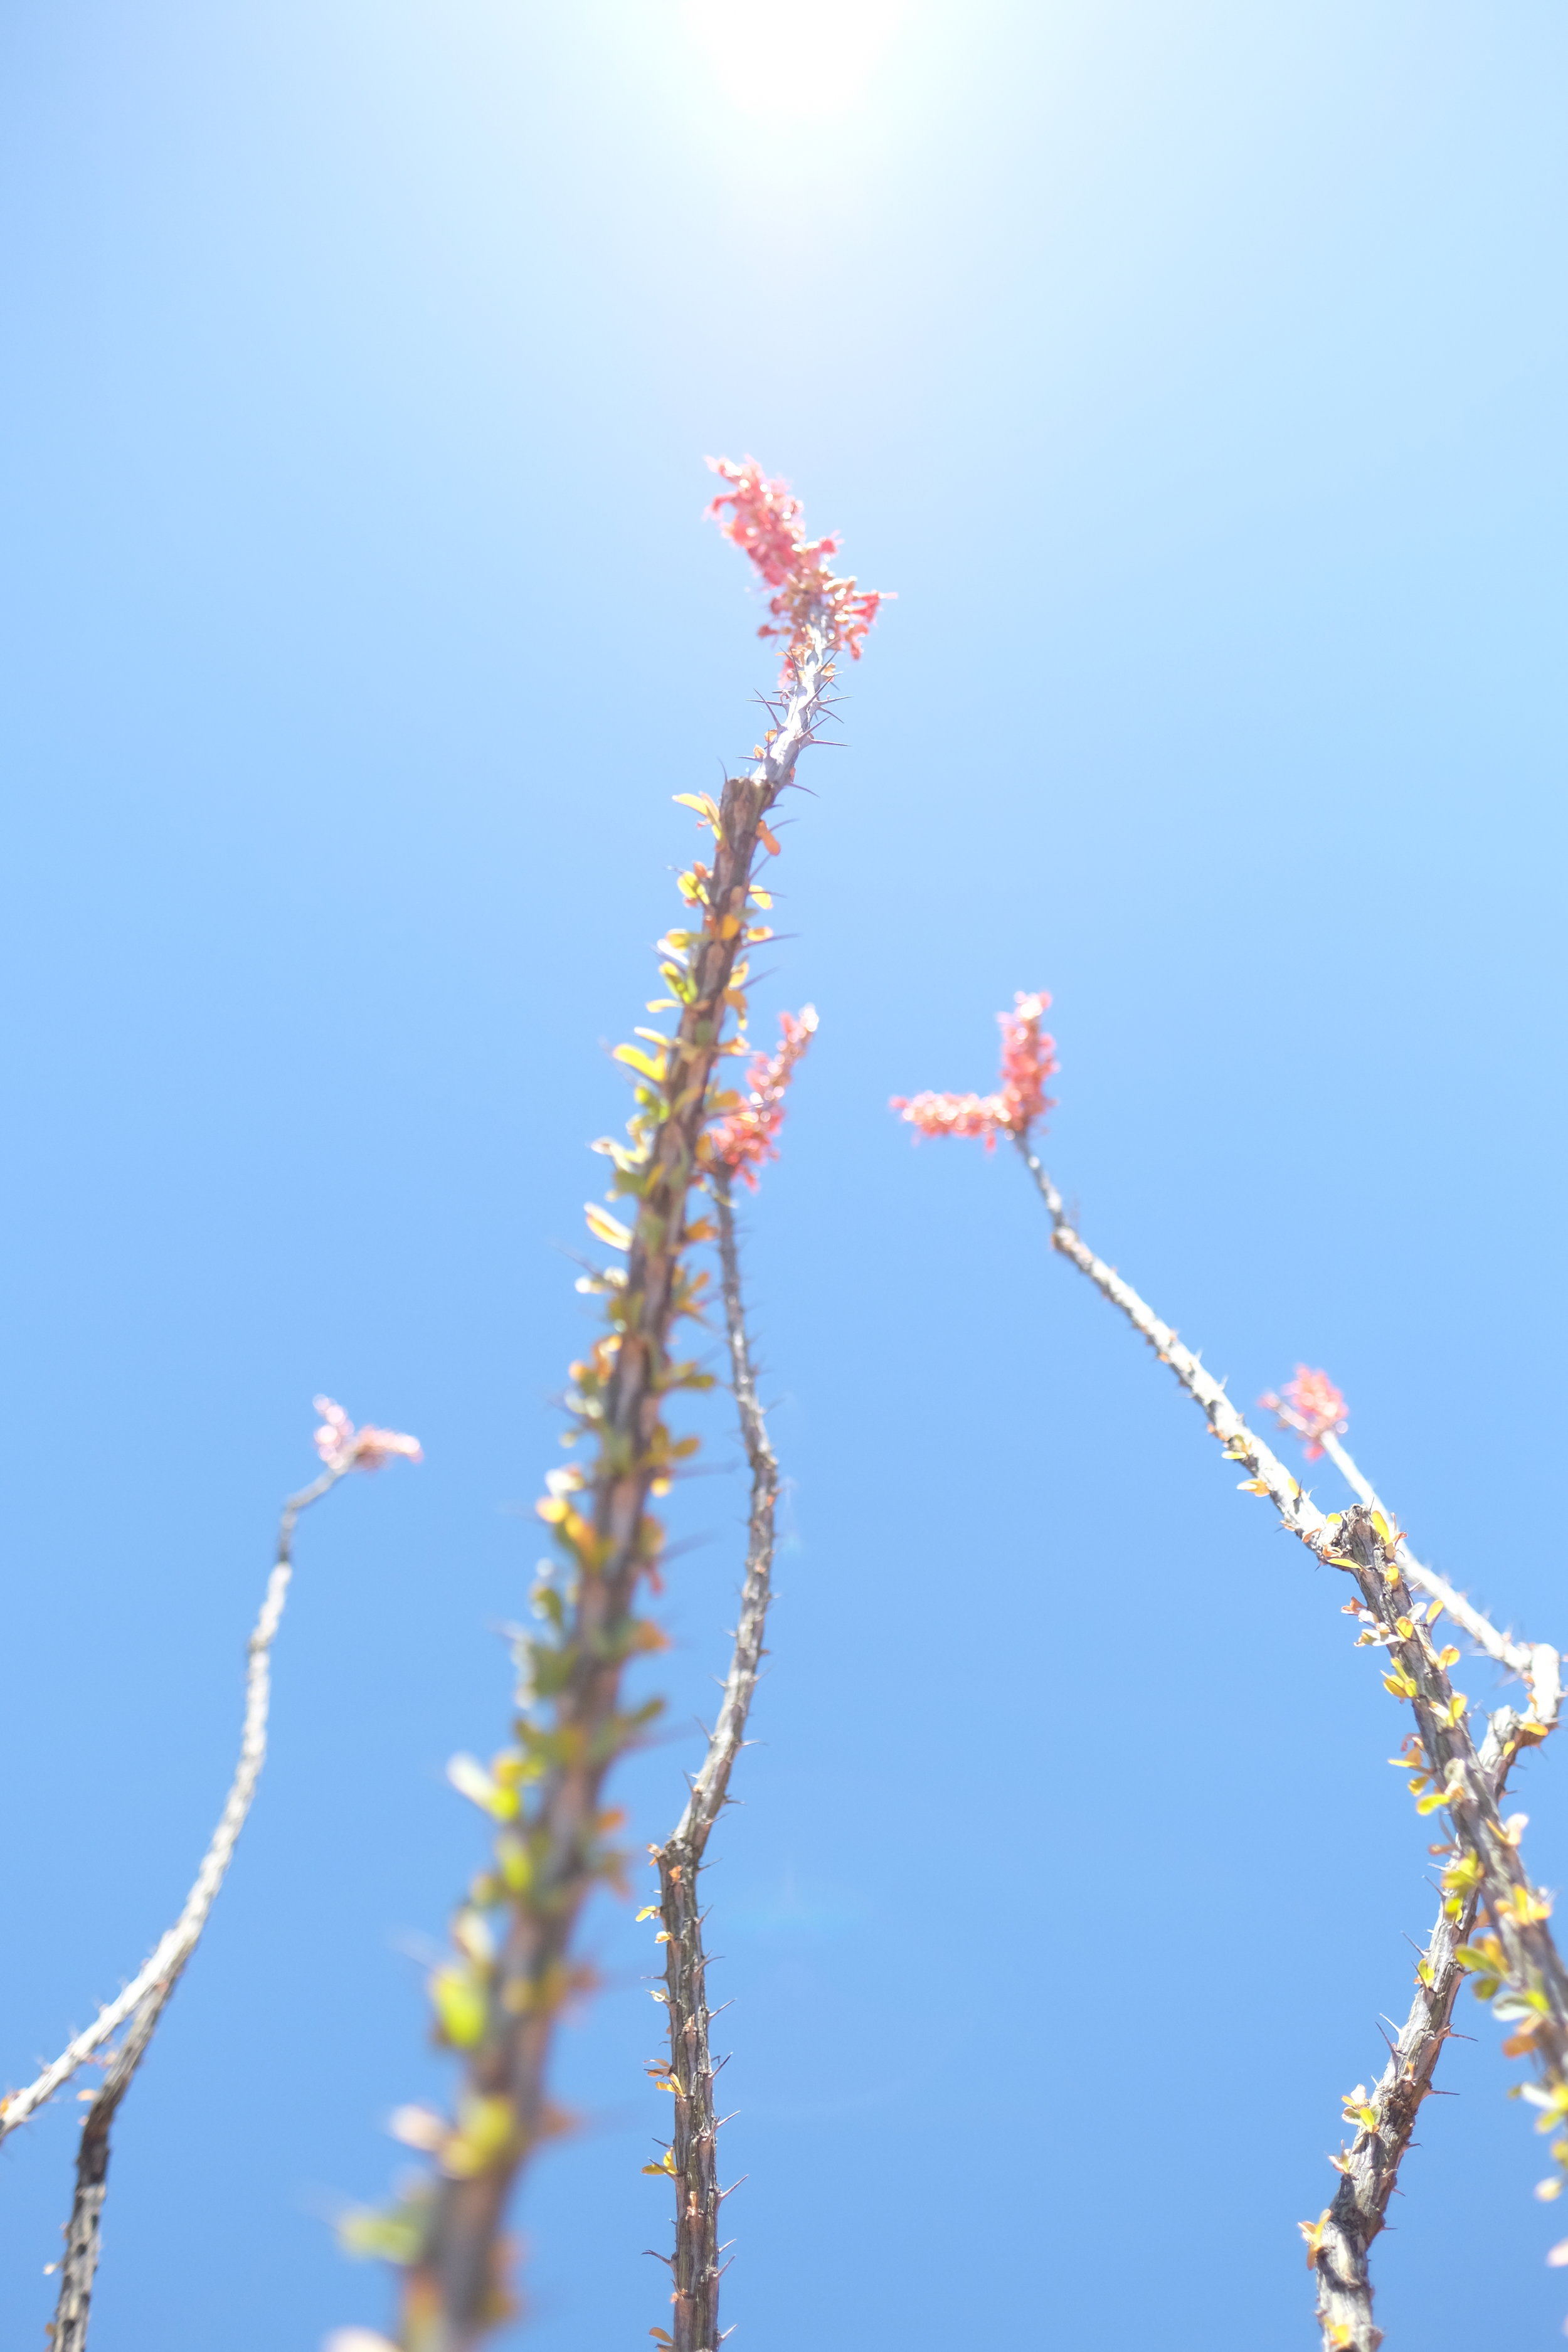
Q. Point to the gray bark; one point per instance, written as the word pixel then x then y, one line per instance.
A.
pixel 1339 2245
pixel 67 2331
pixel 1488 1875
pixel 175 1947
pixel 696 2268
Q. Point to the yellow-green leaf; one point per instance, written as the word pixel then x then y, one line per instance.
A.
pixel 459 2004
pixel 644 1064
pixel 605 1228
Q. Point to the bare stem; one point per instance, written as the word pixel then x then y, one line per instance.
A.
pixel 175 1949
pixel 692 2156
pixel 1268 1473
pixel 145 1998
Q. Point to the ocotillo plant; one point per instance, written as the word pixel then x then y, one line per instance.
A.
pixel 513 1961
pixel 1515 1963
pixel 736 1146
pixel 138 2008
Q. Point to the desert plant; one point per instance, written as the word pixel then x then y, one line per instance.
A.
pixel 1514 1963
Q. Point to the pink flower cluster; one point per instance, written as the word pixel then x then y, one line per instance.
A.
pixel 743 1140
pixel 342 1446
pixel 1311 1406
pixel 764 521
pixel 1028 1059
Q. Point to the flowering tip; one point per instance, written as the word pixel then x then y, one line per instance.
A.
pixel 1028 1059
pixel 766 522
pixel 747 1138
pixel 343 1447
pixel 1311 1406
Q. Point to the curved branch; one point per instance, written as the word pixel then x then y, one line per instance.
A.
pixel 692 2159
pixel 1338 2242
pixel 79 2267
pixel 1536 1663
pixel 1487 1874
pixel 175 1949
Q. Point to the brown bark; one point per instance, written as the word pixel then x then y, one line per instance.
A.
pixel 454 2292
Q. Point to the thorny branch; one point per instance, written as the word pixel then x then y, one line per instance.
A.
pixel 1270 1475
pixel 499 2001
pixel 1536 1663
pixel 158 1978
pixel 691 2159
pixel 342 1448
pixel 1338 2242
pixel 1487 1875
pixel 1384 2118
pixel 78 2268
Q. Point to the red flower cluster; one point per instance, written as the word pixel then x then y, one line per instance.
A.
pixel 764 521
pixel 743 1140
pixel 1311 1406
pixel 1028 1059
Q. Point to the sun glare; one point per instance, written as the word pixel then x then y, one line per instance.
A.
pixel 800 59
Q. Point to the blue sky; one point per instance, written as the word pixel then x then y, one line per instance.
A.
pixel 1195 374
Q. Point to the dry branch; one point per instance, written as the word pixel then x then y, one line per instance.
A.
pixel 79 2266
pixel 1384 2118
pixel 342 1448
pixel 1538 1666
pixel 1487 1875
pixel 162 1969
pixel 692 2157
